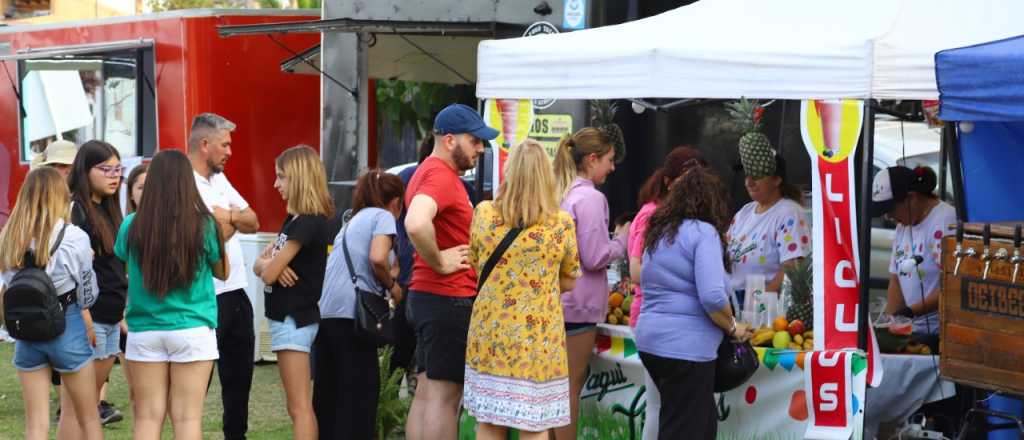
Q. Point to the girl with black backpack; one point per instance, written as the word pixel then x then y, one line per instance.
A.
pixel 57 341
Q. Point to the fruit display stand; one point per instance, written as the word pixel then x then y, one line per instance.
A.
pixel 771 405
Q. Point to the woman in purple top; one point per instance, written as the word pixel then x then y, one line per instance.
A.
pixel 677 162
pixel 582 162
pixel 686 308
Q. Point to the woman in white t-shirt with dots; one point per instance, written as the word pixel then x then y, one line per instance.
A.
pixel 907 198
pixel 769 233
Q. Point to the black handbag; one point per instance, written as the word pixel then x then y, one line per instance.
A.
pixel 736 363
pixel 499 251
pixel 375 312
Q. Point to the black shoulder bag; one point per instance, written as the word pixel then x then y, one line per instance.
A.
pixel 499 251
pixel 375 312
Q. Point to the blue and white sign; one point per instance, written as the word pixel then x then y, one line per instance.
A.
pixel 575 16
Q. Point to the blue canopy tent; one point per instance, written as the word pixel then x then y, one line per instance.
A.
pixel 981 88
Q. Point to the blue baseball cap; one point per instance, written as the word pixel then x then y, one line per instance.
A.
pixel 459 119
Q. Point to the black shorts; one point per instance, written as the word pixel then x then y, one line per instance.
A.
pixel 441 324
pixel 579 328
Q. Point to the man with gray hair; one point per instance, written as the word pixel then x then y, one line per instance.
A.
pixel 209 148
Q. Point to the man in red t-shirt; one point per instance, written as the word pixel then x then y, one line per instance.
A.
pixel 443 285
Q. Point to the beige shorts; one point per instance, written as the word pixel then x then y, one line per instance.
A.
pixel 177 346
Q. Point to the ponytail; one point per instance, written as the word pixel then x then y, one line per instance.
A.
pixel 564 167
pixel 925 181
pixel 571 152
pixel 375 189
pixel 786 189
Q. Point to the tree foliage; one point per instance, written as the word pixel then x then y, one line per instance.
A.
pixel 412 103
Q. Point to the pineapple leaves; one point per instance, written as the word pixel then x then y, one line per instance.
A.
pixel 602 117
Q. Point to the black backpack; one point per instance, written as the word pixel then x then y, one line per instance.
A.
pixel 32 309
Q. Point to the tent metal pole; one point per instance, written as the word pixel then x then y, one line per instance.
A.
pixel 864 234
pixel 952 143
pixel 481 165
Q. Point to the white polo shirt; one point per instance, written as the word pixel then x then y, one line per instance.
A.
pixel 217 191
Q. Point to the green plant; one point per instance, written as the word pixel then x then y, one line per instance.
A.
pixel 392 409
pixel 270 4
pixel 412 103
pixel 309 4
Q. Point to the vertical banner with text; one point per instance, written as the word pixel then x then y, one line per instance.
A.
pixel 831 130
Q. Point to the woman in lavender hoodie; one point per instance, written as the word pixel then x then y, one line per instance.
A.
pixel 686 311
pixel 583 161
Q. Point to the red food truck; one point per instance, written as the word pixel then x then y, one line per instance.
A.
pixel 136 82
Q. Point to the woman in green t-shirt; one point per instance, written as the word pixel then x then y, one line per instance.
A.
pixel 173 249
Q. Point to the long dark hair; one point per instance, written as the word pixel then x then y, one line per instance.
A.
pixel 697 195
pixel 90 154
pixel 167 234
pixel 677 162
pixel 138 171
pixel 375 189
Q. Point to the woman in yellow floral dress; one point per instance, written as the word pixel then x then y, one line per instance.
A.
pixel 516 367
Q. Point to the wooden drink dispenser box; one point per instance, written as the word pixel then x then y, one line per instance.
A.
pixel 981 307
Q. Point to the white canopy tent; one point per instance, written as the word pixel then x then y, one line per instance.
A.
pixel 725 49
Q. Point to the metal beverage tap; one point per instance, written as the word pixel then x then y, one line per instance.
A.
pixel 960 253
pixel 1016 259
pixel 986 255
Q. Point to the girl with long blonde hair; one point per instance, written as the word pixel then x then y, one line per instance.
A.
pixel 293 269
pixel 515 354
pixel 583 162
pixel 39 228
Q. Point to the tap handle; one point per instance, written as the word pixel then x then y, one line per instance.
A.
pixel 959 232
pixel 986 235
pixel 1017 235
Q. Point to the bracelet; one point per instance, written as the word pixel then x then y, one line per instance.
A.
pixel 732 331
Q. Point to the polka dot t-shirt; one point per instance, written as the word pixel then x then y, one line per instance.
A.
pixel 760 243
pixel 925 240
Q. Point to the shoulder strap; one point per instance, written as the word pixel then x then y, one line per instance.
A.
pixel 348 258
pixel 60 238
pixel 496 255
pixel 30 256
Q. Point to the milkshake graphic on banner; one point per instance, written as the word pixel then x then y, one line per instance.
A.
pixel 513 117
pixel 831 113
pixel 509 110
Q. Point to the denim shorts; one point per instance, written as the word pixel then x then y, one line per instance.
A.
pixel 68 353
pixel 285 336
pixel 108 340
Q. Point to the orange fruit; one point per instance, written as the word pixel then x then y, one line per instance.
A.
pixel 780 324
pixel 615 299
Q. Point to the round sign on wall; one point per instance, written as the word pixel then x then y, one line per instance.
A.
pixel 541 28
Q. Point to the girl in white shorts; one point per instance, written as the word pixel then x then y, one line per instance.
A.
pixel 173 248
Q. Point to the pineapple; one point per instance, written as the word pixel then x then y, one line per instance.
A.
pixel 801 286
pixel 756 152
pixel 602 116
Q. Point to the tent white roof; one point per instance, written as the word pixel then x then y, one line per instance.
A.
pixel 789 49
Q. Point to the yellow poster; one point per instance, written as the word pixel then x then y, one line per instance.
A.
pixel 549 131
